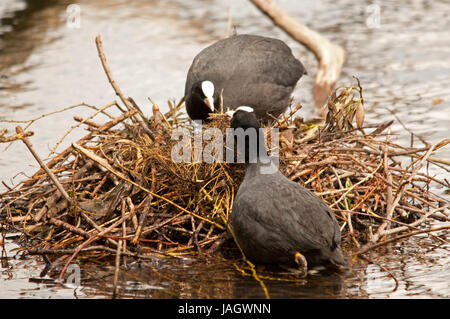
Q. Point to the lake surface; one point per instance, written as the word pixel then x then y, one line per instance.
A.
pixel 47 62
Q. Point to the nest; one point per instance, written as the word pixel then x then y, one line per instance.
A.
pixel 118 191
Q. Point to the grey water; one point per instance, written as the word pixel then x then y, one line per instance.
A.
pixel 400 51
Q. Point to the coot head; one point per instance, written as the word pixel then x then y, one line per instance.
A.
pixel 202 97
pixel 250 140
pixel 243 117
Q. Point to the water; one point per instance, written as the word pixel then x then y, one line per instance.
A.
pixel 45 64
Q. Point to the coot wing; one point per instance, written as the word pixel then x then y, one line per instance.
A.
pixel 263 76
pixel 284 216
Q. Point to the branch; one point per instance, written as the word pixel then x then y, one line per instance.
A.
pixel 50 174
pixel 126 102
pixel 14 137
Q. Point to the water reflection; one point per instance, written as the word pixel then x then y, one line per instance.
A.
pixel 23 30
pixel 421 268
pixel 205 279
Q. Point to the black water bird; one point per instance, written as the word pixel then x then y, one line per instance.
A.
pixel 278 221
pixel 246 70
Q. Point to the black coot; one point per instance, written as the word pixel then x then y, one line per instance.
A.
pixel 248 70
pixel 277 221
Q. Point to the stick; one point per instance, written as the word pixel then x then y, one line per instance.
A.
pixel 69 227
pixel 368 176
pixel 413 224
pixel 77 125
pixel 50 174
pixel 14 137
pixel 289 116
pixel 93 238
pixel 86 121
pixel 229 22
pixel 48 251
pixel 81 141
pixel 116 271
pixel 126 102
pixel 389 203
pixel 140 224
pixel 101 54
pixel 99 229
pixel 147 204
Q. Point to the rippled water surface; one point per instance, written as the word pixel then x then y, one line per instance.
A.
pixel 45 65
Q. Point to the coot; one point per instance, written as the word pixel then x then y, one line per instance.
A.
pixel 247 70
pixel 278 221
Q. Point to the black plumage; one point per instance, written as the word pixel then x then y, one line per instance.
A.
pixel 273 218
pixel 249 70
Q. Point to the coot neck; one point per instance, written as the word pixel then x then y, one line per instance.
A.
pixel 261 168
pixel 258 154
pixel 259 163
